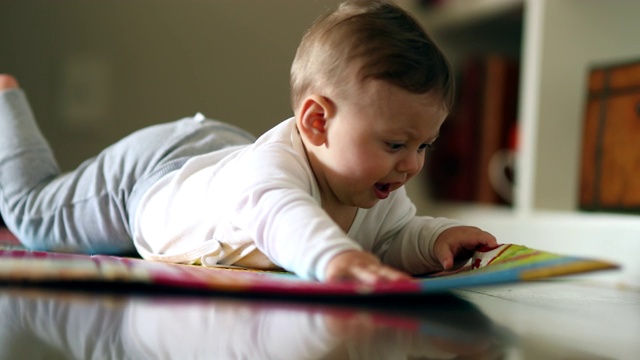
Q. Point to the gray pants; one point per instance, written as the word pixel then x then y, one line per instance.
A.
pixel 90 209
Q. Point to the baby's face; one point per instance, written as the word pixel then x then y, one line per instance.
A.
pixel 376 142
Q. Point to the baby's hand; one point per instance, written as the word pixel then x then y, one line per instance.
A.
pixel 459 243
pixel 362 267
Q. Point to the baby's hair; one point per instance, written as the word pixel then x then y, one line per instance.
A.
pixel 382 40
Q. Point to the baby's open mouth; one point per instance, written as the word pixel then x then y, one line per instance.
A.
pixel 382 190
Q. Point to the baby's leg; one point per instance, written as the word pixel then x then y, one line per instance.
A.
pixel 25 156
pixel 48 210
pixel 26 160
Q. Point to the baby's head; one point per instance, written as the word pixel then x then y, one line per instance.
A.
pixel 368 40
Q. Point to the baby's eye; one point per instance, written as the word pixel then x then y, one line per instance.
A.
pixel 424 146
pixel 395 146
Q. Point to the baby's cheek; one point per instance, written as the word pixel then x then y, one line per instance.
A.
pixel 360 168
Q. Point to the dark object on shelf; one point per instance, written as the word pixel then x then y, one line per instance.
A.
pixel 480 127
pixel 610 174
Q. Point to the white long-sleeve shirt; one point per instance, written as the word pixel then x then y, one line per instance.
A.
pixel 259 206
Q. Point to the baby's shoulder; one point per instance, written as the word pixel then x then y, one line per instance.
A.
pixel 279 147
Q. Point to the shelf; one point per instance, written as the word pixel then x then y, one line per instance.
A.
pixel 563 41
pixel 557 42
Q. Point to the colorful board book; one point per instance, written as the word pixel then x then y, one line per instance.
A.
pixel 506 264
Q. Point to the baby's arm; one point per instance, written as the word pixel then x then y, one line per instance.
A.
pixel 452 245
pixel 403 243
pixel 427 244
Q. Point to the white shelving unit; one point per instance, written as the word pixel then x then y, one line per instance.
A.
pixel 557 41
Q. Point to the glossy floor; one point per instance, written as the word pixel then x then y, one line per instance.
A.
pixel 541 320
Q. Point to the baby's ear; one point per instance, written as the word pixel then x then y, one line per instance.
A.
pixel 314 114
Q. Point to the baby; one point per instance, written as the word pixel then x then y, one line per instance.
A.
pixel 321 194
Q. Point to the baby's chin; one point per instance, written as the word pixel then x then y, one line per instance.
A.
pixel 368 203
pixel 364 200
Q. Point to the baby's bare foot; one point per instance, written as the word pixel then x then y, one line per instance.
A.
pixel 8 82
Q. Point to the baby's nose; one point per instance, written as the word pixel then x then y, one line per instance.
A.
pixel 411 164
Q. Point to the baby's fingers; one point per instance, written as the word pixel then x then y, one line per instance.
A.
pixel 458 244
pixel 362 267
pixel 376 274
pixel 445 257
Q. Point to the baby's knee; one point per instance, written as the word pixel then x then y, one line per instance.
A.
pixel 8 82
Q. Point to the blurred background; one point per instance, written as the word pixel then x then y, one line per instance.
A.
pixel 97 70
